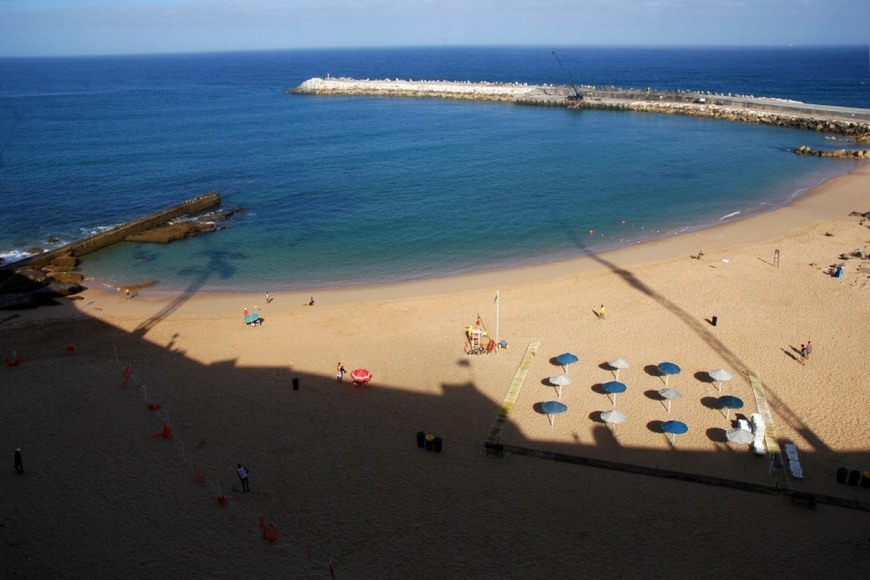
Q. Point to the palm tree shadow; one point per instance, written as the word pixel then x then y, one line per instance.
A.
pixel 219 263
pixel 697 325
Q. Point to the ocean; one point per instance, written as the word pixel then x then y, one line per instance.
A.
pixel 340 191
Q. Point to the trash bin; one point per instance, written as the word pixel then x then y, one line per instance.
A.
pixel 421 440
pixel 854 477
pixel 842 473
pixel 714 320
pixel 295 384
pixel 430 442
pixel 437 444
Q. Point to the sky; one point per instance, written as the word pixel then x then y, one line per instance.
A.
pixel 92 27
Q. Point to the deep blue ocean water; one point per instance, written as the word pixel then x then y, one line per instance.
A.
pixel 348 190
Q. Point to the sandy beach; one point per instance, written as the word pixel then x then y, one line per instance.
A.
pixel 123 470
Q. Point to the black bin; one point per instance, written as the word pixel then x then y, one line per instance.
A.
pixel 842 473
pixel 714 320
pixel 295 383
pixel 421 439
pixel 430 442
pixel 854 477
pixel 437 444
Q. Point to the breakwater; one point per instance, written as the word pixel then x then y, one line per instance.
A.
pixel 432 89
pixel 846 121
pixel 104 239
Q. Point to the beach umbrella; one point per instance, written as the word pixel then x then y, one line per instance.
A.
pixel 613 417
pixel 674 428
pixel 251 318
pixel 612 388
pixel 619 363
pixel 670 394
pixel 566 358
pixel 668 369
pixel 361 376
pixel 560 381
pixel 552 408
pixel 739 436
pixel 720 375
pixel 730 402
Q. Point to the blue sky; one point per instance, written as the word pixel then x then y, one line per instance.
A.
pixel 83 27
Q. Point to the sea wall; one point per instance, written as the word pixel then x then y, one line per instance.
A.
pixel 854 123
pixel 45 276
pixel 851 122
pixel 99 241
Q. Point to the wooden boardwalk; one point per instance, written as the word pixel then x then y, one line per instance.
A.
pixel 777 465
pixel 513 392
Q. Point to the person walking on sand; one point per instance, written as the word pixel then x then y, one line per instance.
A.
pixel 601 312
pixel 809 348
pixel 803 354
pixel 339 372
pixel 19 465
pixel 243 477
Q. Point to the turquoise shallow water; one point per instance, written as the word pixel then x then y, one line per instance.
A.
pixel 340 191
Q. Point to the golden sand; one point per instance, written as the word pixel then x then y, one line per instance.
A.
pixel 337 478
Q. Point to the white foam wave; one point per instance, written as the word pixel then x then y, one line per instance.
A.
pixel 11 256
pixel 726 216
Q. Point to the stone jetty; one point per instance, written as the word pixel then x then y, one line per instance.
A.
pixel 45 276
pixel 421 89
pixel 850 122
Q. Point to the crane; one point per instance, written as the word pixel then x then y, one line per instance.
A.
pixel 577 96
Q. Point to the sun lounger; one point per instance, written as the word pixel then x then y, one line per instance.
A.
pixel 758 445
pixel 791 452
pixel 758 428
pixel 743 424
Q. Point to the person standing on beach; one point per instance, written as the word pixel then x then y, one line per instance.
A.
pixel 601 312
pixel 19 465
pixel 809 349
pixel 776 258
pixel 803 354
pixel 339 372
pixel 243 477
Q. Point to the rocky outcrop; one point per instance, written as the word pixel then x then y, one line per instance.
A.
pixel 836 154
pixel 28 288
pixel 163 234
pixel 171 232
